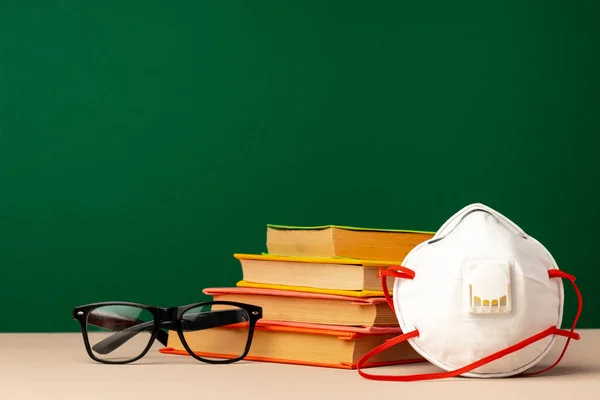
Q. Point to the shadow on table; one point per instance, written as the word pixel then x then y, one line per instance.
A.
pixel 570 370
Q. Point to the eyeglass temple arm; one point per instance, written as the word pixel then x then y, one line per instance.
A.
pixel 212 319
pixel 190 322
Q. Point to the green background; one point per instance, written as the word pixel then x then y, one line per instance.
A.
pixel 143 143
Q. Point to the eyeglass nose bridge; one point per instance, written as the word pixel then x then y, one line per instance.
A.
pixel 168 325
pixel 167 317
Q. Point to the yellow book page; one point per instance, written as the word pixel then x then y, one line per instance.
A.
pixel 350 228
pixel 321 260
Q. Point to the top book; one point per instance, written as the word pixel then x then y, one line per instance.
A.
pixel 343 241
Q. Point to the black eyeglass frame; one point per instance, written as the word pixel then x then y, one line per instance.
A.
pixel 167 318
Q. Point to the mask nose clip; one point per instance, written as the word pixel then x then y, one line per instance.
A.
pixel 487 287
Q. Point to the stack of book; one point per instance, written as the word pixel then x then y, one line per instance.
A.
pixel 322 299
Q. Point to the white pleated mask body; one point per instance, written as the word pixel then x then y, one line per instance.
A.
pixel 481 285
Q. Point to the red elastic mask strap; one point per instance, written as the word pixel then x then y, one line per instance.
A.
pixel 448 374
pixel 396 272
pixel 553 330
pixel 570 334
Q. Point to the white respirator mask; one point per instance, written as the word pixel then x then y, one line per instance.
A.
pixel 480 299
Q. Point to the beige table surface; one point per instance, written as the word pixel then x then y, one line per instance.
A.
pixel 56 366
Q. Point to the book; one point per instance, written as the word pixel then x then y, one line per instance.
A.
pixel 316 308
pixel 296 343
pixel 343 241
pixel 306 289
pixel 314 272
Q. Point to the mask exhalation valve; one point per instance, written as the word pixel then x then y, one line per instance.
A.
pixel 488 287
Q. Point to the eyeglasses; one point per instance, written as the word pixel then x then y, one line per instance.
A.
pixel 123 332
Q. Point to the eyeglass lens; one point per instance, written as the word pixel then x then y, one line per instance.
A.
pixel 129 327
pixel 216 331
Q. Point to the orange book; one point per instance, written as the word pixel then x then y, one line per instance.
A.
pixel 297 343
pixel 316 308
